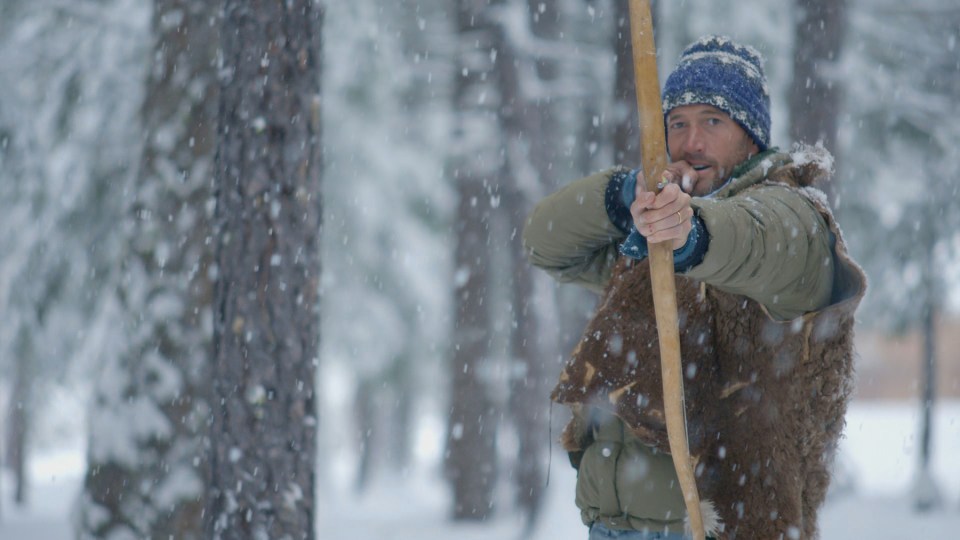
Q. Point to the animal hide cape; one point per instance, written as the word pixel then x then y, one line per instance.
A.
pixel 765 400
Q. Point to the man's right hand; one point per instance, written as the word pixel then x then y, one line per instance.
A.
pixel 664 216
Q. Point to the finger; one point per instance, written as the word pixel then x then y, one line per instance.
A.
pixel 665 210
pixel 676 233
pixel 641 205
pixel 670 194
pixel 654 222
pixel 682 174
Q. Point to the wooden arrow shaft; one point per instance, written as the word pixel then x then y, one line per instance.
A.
pixel 654 157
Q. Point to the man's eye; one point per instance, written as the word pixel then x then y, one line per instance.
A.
pixel 713 121
pixel 676 125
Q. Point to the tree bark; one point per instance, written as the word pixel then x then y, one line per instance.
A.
pixel 816 96
pixel 626 141
pixel 626 137
pixel 471 463
pixel 475 164
pixel 266 322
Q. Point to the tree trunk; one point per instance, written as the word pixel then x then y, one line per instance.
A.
pixel 165 295
pixel 816 96
pixel 383 412
pixel 475 164
pixel 266 321
pixel 530 125
pixel 626 137
pixel 471 431
pixel 18 416
pixel 401 426
pixel 626 142
pixel 365 413
pixel 927 495
pixel 530 372
pixel 471 463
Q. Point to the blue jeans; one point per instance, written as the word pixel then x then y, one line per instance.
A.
pixel 599 532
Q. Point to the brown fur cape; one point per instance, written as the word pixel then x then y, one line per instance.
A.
pixel 765 400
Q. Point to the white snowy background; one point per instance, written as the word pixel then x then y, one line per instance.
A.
pixel 871 499
pixel 388 203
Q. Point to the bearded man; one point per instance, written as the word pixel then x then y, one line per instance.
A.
pixel 766 294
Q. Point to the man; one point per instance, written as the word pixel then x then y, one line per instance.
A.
pixel 766 294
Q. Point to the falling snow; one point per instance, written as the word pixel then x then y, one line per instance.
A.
pixel 72 93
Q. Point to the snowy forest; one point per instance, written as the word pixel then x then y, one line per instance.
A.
pixel 262 274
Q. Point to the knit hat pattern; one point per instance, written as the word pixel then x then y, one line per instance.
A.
pixel 714 70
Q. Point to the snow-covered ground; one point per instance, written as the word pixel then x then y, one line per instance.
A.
pixel 878 454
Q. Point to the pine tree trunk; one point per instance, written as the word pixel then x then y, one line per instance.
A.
pixel 530 371
pixel 365 414
pixel 266 321
pixel 626 137
pixel 472 425
pixel 159 491
pixel 531 130
pixel 471 464
pixel 927 494
pixel 929 383
pixel 816 96
pixel 626 141
pixel 401 426
pixel 18 416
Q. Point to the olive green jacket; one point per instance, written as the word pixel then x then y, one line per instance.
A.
pixel 769 243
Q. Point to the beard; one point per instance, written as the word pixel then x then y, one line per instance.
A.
pixel 713 171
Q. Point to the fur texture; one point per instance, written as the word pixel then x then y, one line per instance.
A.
pixel 712 522
pixel 765 400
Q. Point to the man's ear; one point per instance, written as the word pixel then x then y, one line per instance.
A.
pixel 754 149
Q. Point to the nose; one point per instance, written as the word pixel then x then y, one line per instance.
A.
pixel 693 142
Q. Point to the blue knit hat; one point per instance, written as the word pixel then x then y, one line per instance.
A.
pixel 714 70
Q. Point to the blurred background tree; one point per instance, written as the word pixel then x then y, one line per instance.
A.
pixel 900 200
pixel 70 87
pixel 146 454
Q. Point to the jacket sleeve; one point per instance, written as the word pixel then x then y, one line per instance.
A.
pixel 570 235
pixel 770 244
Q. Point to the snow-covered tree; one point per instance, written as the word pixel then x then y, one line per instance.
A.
pixel 385 313
pixel 528 71
pixel 902 195
pixel 70 81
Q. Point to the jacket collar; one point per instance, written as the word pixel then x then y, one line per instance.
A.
pixel 752 171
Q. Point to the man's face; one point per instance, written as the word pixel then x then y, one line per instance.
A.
pixel 710 141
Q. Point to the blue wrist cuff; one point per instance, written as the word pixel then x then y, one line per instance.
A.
pixel 619 196
pixel 685 258
pixel 628 193
pixel 635 245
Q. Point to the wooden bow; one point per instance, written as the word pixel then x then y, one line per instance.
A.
pixel 654 157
